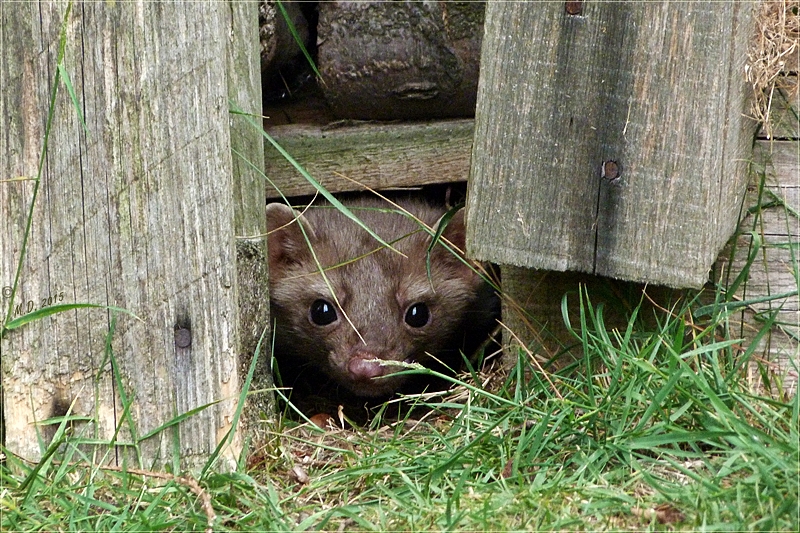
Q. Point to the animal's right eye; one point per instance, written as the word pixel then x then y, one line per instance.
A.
pixel 418 315
pixel 322 313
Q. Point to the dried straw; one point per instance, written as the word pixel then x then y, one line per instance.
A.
pixel 773 57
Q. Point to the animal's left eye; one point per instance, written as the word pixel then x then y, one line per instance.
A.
pixel 418 315
pixel 322 313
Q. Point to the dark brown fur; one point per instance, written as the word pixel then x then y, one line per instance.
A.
pixel 375 290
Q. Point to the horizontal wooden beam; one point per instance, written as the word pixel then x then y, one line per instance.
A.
pixel 375 155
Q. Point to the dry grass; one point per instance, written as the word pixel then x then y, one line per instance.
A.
pixel 773 56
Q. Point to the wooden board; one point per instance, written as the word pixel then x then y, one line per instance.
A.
pixel 248 190
pixel 376 155
pixel 135 211
pixel 772 222
pixel 658 88
pixel 784 118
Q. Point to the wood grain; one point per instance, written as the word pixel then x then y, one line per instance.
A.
pixel 376 155
pixel 770 232
pixel 135 211
pixel 626 82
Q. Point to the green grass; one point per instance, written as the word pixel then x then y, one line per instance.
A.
pixel 655 428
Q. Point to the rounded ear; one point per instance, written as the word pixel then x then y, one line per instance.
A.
pixel 286 244
pixel 456 230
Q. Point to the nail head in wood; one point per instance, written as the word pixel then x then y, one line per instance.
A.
pixel 183 338
pixel 611 171
pixel 574 7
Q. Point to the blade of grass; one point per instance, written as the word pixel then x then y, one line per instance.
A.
pixel 40 169
pixel 298 40
pixel 58 308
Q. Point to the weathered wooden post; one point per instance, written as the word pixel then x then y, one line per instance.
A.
pixel 140 209
pixel 610 138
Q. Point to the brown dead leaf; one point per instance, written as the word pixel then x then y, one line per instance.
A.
pixel 509 468
pixel 323 420
pixel 664 513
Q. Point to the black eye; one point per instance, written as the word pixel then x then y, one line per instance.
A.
pixel 322 313
pixel 417 315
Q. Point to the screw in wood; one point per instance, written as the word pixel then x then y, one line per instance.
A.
pixel 611 171
pixel 183 338
pixel 574 7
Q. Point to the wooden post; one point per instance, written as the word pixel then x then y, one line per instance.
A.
pixel 611 137
pixel 138 210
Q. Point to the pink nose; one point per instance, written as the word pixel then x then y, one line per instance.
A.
pixel 363 370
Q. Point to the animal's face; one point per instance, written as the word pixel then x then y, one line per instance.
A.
pixel 374 309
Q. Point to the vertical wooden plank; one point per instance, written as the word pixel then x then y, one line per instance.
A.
pixel 770 233
pixel 135 212
pixel 249 201
pixel 247 142
pixel 656 87
pixel 21 138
